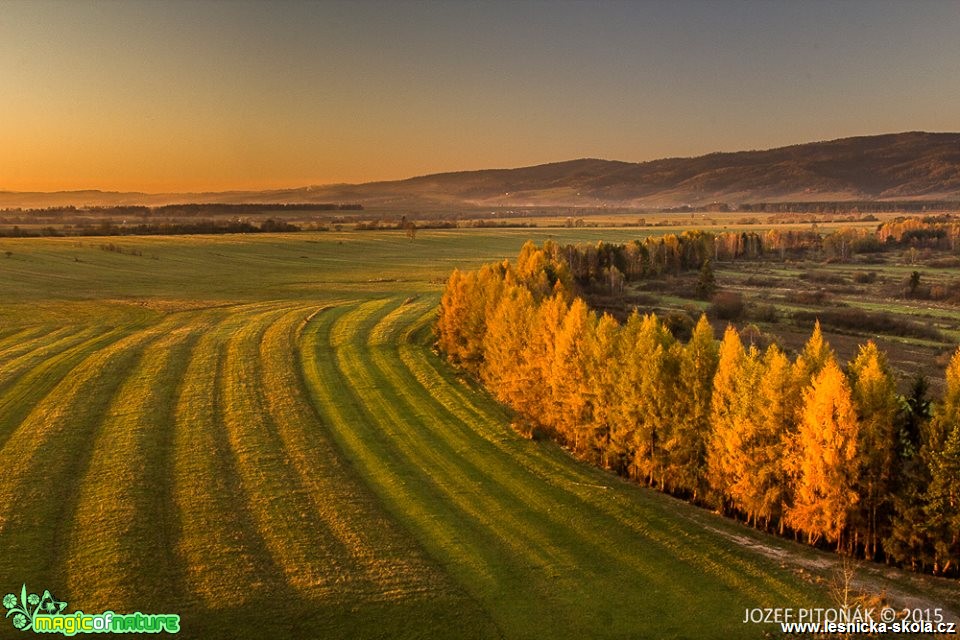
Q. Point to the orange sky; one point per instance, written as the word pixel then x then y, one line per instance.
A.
pixel 191 96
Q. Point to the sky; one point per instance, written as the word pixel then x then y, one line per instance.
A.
pixel 216 95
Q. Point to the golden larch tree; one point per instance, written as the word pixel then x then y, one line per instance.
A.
pixel 724 441
pixel 875 398
pixel 687 436
pixel 824 466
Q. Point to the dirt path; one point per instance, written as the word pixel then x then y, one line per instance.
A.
pixel 896 588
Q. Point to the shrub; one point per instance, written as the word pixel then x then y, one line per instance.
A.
pixel 680 324
pixel 763 281
pixel 823 278
pixel 945 263
pixel 852 319
pixel 726 305
pixel 817 297
pixel 764 313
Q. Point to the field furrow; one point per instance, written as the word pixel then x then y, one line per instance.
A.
pixel 581 487
pixel 120 546
pixel 376 563
pixel 297 538
pixel 21 392
pixel 14 355
pixel 540 541
pixel 223 559
pixel 49 450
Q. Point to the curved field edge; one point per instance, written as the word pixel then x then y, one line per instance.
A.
pixel 179 467
pixel 80 343
pixel 899 587
pixel 549 546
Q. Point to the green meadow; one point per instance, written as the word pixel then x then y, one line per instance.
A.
pixel 254 432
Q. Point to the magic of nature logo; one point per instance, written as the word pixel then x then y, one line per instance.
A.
pixel 45 614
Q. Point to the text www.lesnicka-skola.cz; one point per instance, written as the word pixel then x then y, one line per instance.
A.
pixel 860 620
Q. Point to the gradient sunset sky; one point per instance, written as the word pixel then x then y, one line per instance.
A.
pixel 169 96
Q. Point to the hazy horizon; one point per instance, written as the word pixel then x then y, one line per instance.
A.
pixel 191 97
pixel 446 171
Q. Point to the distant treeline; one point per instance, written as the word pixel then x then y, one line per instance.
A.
pixel 800 445
pixel 852 206
pixel 180 210
pixel 839 207
pixel 673 253
pixel 441 223
pixel 158 229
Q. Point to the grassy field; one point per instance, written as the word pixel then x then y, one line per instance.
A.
pixel 253 432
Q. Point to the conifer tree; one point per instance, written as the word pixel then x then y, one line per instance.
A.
pixel 824 467
pixel 541 405
pixel 815 355
pixel 943 503
pixel 909 540
pixel 605 358
pixel 506 368
pixel 776 420
pixel 874 394
pixel 624 415
pixel 570 377
pixel 724 443
pixel 745 439
pixel 689 431
pixel 941 451
pixel 650 386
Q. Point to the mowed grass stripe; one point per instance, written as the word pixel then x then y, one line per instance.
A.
pixel 39 349
pixel 11 334
pixel 13 353
pixel 376 561
pixel 643 511
pixel 473 492
pixel 558 511
pixel 640 511
pixel 400 485
pixel 21 395
pixel 568 527
pixel 547 506
pixel 595 582
pixel 436 430
pixel 21 392
pixel 19 340
pixel 223 559
pixel 50 449
pixel 296 537
pixel 119 548
pixel 449 511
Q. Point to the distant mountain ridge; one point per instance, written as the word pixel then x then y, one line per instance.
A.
pixel 902 166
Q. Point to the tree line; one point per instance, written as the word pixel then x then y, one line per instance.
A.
pixel 803 446
pixel 180 210
pixel 673 253
pixel 204 227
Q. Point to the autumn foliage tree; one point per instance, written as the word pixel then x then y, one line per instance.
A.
pixel 825 468
pixel 875 399
pixel 796 444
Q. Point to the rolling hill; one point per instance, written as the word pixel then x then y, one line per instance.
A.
pixel 903 166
